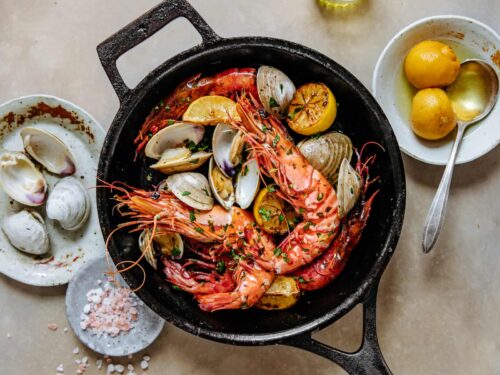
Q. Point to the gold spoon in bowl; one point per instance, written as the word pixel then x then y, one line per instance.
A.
pixel 473 95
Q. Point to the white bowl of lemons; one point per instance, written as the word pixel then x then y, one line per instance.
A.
pixel 405 82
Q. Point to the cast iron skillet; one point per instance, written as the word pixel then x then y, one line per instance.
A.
pixel 359 116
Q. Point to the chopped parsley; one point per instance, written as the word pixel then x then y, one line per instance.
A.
pixel 192 217
pixel 185 193
pixel 273 103
pixel 319 196
pixel 265 214
pixel 198 229
pixel 281 218
pixel 276 140
pixel 170 122
pixel 176 252
pixel 277 251
pixel 271 188
pixel 220 267
pixel 176 287
pixel 296 110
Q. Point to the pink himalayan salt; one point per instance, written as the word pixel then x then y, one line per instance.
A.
pixel 109 310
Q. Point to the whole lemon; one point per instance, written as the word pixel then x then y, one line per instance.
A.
pixel 432 115
pixel 431 64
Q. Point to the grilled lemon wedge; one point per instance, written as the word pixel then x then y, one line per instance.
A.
pixel 312 110
pixel 211 110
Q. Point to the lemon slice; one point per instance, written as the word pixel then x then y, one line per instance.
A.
pixel 211 110
pixel 272 213
pixel 312 110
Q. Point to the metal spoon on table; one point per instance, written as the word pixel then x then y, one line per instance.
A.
pixel 473 96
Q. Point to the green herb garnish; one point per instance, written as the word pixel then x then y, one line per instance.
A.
pixel 273 103
pixel 185 193
pixel 220 267
pixel 265 214
pixel 276 140
pixel 176 252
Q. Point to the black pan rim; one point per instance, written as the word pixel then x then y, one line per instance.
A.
pixel 137 94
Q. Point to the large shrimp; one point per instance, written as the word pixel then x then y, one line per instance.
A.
pixel 230 82
pixel 236 231
pixel 330 264
pixel 306 189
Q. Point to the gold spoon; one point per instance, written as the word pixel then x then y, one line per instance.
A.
pixel 473 95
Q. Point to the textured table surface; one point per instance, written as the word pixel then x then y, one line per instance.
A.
pixel 438 314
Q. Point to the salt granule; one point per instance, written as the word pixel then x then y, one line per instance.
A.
pixel 109 310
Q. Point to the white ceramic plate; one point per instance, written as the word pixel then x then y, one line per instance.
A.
pixel 145 331
pixel 470 39
pixel 84 137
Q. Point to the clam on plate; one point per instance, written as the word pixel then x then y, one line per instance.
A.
pixel 69 250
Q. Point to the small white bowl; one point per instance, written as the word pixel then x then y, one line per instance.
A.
pixel 469 39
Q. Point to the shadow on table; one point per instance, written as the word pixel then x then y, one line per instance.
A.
pixel 59 290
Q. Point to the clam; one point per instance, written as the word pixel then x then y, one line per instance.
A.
pixel 192 188
pixel 227 145
pixel 275 90
pixel 222 186
pixel 48 150
pixel 168 244
pixel 247 184
pixel 21 180
pixel 69 203
pixel 348 188
pixel 326 152
pixel 26 231
pixel 175 148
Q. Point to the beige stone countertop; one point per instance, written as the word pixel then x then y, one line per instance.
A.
pixel 437 313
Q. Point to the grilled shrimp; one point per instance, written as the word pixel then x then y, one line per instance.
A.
pixel 236 231
pixel 230 82
pixel 306 189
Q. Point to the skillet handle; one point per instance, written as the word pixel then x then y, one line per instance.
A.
pixel 367 360
pixel 142 28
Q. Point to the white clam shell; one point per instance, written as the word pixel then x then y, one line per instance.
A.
pixel 173 136
pixel 26 231
pixel 275 90
pixel 227 145
pixel 192 188
pixel 21 180
pixel 48 150
pixel 348 189
pixel 326 152
pixel 247 184
pixel 218 182
pixel 69 203
pixel 175 160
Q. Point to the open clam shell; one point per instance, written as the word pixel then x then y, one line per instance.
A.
pixel 348 188
pixel 247 184
pixel 167 244
pixel 227 145
pixel 48 150
pixel 221 185
pixel 26 231
pixel 275 90
pixel 173 136
pixel 173 162
pixel 192 188
pixel 170 146
pixel 326 152
pixel 21 180
pixel 69 203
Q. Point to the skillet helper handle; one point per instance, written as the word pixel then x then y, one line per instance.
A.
pixel 367 360
pixel 142 28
